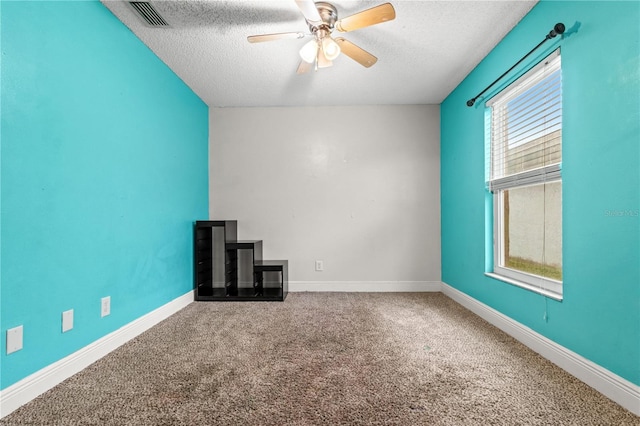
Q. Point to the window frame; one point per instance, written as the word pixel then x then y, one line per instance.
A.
pixel 543 285
pixel 546 174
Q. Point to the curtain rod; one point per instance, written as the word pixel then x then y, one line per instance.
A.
pixel 557 29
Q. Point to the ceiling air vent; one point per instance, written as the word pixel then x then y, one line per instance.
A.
pixel 149 14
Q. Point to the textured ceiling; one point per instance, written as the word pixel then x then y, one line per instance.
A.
pixel 422 55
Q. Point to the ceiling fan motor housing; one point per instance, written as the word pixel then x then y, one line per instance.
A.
pixel 329 15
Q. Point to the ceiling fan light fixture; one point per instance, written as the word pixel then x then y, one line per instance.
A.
pixel 330 48
pixel 309 51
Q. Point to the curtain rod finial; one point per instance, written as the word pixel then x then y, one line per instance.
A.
pixel 557 29
pixel 470 102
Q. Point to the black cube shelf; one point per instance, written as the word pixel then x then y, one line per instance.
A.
pixel 228 269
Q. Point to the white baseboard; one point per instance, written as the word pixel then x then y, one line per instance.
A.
pixel 41 381
pixel 612 386
pixel 365 286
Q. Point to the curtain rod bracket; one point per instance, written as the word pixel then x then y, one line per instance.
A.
pixel 558 28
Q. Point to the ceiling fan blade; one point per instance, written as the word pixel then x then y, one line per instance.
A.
pixel 304 67
pixel 356 53
pixel 322 61
pixel 375 15
pixel 309 10
pixel 269 37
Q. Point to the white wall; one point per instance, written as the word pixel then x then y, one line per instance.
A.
pixel 357 187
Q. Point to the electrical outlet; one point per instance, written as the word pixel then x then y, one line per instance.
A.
pixel 319 265
pixel 14 339
pixel 67 320
pixel 105 306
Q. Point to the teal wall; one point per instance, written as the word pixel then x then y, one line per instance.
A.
pixel 599 317
pixel 104 168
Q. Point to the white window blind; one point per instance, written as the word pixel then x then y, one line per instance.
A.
pixel 526 128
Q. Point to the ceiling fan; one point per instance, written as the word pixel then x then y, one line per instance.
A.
pixel 322 19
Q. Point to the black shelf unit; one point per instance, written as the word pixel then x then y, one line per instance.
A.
pixel 272 279
pixel 228 269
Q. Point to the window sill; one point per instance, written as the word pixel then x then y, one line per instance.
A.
pixel 547 293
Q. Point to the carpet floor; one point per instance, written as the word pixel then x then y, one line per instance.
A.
pixel 323 359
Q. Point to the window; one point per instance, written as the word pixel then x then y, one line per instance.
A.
pixel 525 179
